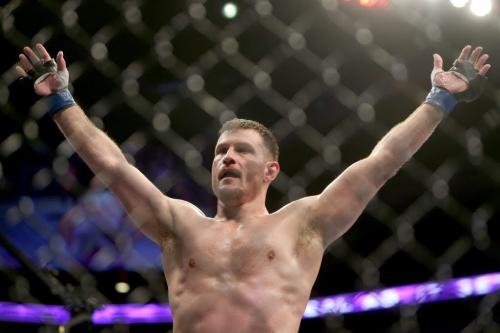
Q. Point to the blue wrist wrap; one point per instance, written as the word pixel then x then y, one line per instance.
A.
pixel 442 99
pixel 59 101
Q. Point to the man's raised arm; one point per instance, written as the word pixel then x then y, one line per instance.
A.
pixel 144 203
pixel 336 209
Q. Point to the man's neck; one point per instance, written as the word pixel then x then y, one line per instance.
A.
pixel 240 212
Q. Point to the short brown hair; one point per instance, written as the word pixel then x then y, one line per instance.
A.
pixel 266 134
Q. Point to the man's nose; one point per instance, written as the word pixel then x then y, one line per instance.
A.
pixel 228 157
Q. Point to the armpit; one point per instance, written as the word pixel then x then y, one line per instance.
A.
pixel 307 238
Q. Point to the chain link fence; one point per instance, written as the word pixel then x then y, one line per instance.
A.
pixel 328 77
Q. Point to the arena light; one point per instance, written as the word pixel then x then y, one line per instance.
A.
pixel 459 3
pixel 33 313
pixel 230 10
pixel 403 295
pixel 372 3
pixel 319 307
pixel 122 287
pixel 481 7
pixel 133 314
pixel 367 3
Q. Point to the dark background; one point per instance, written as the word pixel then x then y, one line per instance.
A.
pixel 328 77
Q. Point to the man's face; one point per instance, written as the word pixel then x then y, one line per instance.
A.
pixel 239 165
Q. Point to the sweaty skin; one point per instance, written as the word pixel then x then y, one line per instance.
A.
pixel 252 272
pixel 245 270
pixel 253 275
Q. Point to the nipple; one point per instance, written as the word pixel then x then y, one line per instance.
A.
pixel 270 255
pixel 191 263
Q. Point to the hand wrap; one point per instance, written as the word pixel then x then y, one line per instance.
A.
pixel 442 99
pixel 466 71
pixel 60 99
pixel 446 101
pixel 41 70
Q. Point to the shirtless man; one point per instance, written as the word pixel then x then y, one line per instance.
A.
pixel 246 270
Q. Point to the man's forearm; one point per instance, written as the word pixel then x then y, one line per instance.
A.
pixel 98 151
pixel 404 139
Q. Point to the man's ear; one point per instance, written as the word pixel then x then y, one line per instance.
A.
pixel 272 171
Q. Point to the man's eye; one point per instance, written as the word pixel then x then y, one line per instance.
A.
pixel 243 150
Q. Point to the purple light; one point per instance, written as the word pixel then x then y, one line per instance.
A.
pixel 133 314
pixel 33 313
pixel 318 307
pixel 396 296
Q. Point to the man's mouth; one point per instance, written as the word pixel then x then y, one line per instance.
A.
pixel 229 174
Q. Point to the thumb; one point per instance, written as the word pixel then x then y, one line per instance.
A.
pixel 438 67
pixel 438 62
pixel 61 63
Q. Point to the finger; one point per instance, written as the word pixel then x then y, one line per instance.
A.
pixel 464 55
pixel 43 52
pixel 481 61
pixel 484 69
pixel 475 54
pixel 31 55
pixel 61 63
pixel 438 62
pixel 25 63
pixel 21 71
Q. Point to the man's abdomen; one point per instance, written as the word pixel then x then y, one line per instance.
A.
pixel 240 307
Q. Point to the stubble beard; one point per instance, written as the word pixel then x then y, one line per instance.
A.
pixel 230 195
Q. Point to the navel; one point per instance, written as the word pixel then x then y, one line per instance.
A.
pixel 191 263
pixel 271 255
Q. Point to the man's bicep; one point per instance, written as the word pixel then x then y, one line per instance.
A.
pixel 145 204
pixel 342 202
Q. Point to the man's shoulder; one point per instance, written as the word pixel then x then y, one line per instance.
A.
pixel 183 207
pixel 298 207
pixel 183 216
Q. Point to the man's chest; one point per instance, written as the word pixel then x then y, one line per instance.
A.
pixel 236 250
pixel 243 251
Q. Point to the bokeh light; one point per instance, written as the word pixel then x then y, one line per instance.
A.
pixel 481 7
pixel 230 10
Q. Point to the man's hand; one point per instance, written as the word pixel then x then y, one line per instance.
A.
pixel 454 81
pixel 47 77
pixel 464 82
